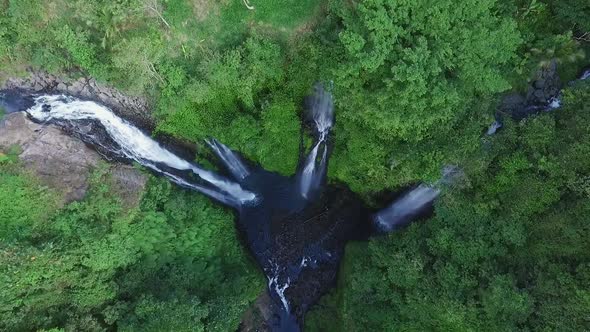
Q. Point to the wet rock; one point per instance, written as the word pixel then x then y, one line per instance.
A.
pixel 77 87
pixel 541 91
pixel 63 162
pixel 256 317
pixel 38 86
pixel 512 102
pixel 545 86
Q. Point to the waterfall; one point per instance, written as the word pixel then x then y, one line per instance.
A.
pixel 555 102
pixel 311 176
pixel 322 111
pixel 411 204
pixel 135 145
pixel 402 210
pixel 230 159
pixel 308 180
pixel 204 190
pixel 494 127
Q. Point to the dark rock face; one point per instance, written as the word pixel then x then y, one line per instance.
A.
pixel 299 243
pixel 544 89
pixel 544 94
pixel 319 233
pixel 512 104
pixel 545 86
pixel 63 162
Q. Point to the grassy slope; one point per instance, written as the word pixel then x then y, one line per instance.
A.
pixel 219 23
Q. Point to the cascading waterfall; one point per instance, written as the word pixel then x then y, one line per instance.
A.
pixel 230 159
pixel 398 214
pixel 312 174
pixel 402 210
pixel 309 178
pixel 411 204
pixel 258 196
pixel 135 145
pixel 493 128
pixel 273 275
pixel 224 199
pixel 555 102
pixel 278 215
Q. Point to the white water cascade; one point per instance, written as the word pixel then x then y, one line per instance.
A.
pixel 412 203
pixel 230 159
pixel 136 145
pixel 555 102
pixel 493 128
pixel 274 284
pixel 398 213
pixel 322 111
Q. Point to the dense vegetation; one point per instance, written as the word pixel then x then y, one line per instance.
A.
pixel 94 265
pixel 506 250
pixel 415 82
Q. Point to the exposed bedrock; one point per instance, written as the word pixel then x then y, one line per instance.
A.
pixel 63 162
pixel 543 94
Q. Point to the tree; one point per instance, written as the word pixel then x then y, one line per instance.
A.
pixel 230 101
pixel 409 74
pixel 508 250
pixel 95 266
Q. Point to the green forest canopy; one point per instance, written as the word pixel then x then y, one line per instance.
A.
pixel 415 84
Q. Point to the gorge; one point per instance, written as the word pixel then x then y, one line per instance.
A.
pixel 295 227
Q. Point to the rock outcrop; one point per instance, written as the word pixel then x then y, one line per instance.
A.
pixel 63 162
pixel 542 90
pixel 545 86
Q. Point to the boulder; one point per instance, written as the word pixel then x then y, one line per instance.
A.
pixel 545 86
pixel 63 162
pixel 541 91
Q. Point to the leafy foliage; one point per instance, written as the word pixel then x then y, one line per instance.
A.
pixel 573 14
pixel 94 265
pixel 415 84
pixel 229 103
pixel 19 192
pixel 410 73
pixel 506 252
